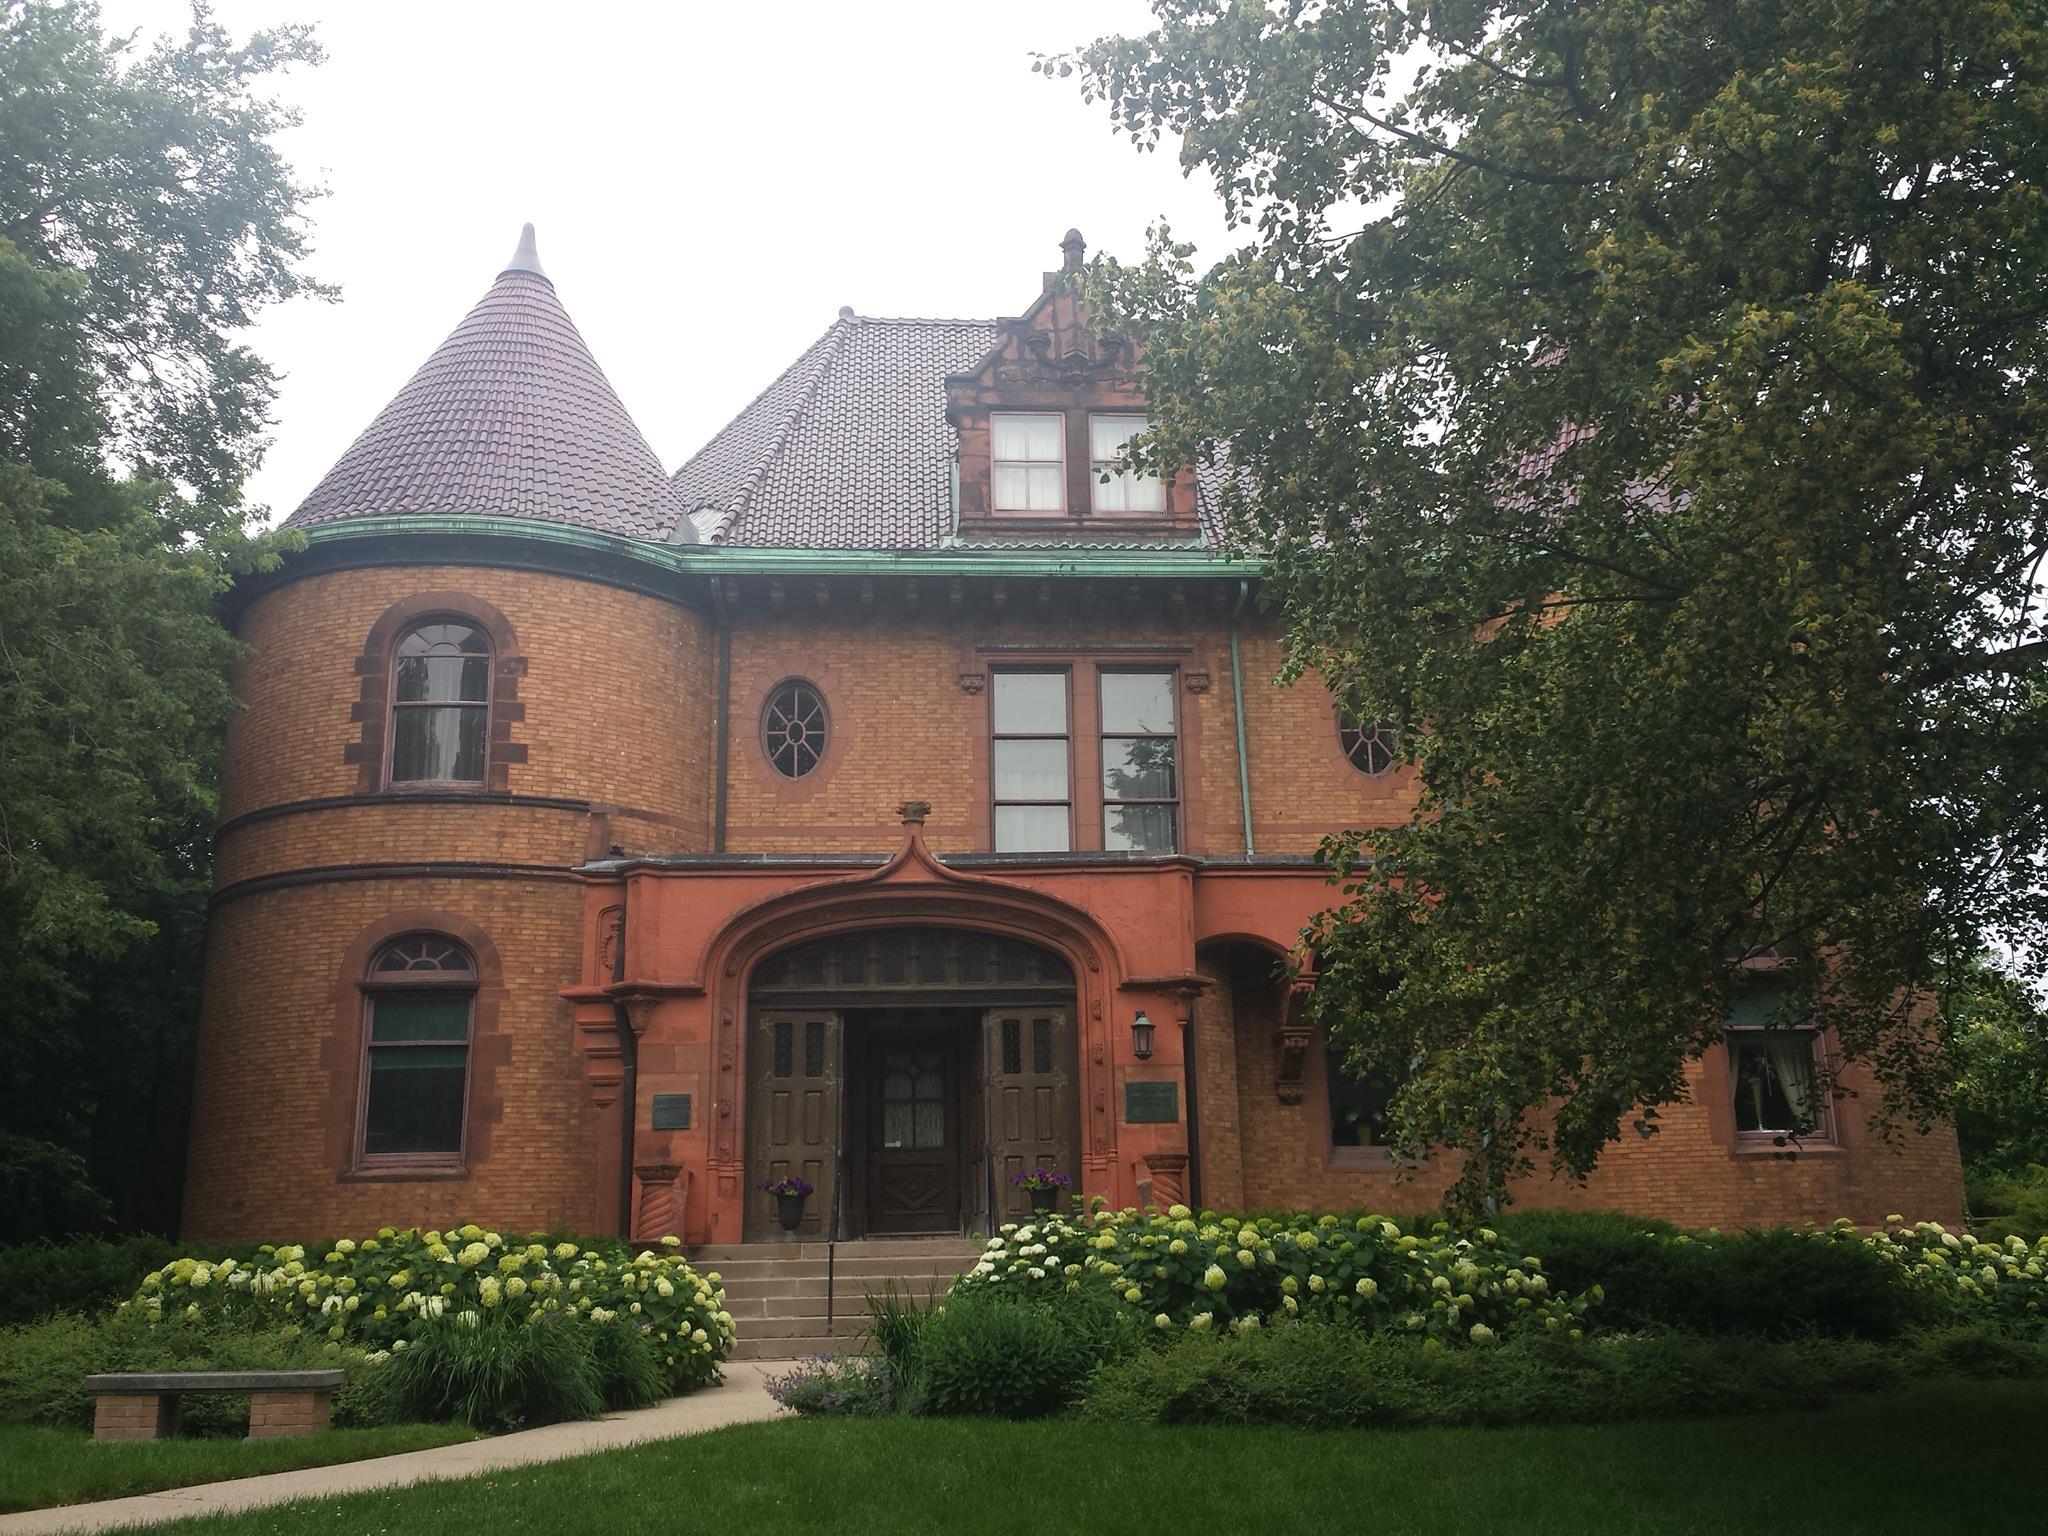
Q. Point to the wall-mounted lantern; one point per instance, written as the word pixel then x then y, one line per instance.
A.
pixel 1141 1037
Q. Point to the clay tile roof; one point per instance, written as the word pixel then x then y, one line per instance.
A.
pixel 510 417
pixel 850 448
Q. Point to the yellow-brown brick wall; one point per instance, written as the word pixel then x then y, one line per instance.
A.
pixel 904 727
pixel 380 832
pixel 278 1074
pixel 617 694
pixel 1689 1173
pixel 1303 787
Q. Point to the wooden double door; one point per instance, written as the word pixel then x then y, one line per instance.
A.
pixel 908 1120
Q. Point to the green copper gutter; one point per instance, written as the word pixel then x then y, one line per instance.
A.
pixel 721 560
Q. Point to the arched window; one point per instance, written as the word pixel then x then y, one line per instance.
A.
pixel 419 996
pixel 1373 746
pixel 793 728
pixel 440 703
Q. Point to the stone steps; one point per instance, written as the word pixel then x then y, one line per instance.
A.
pixel 779 1293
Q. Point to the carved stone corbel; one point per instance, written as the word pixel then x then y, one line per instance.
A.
pixel 1292 1041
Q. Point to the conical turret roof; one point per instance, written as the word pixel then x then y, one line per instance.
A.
pixel 511 417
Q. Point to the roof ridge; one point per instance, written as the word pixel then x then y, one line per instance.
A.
pixel 834 344
pixel 920 320
pixel 842 329
pixel 729 507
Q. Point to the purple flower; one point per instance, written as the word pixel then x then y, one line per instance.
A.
pixel 788 1184
pixel 1042 1178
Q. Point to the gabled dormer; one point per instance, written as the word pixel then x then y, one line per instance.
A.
pixel 1041 423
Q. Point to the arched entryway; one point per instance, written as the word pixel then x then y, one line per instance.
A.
pixel 908 1073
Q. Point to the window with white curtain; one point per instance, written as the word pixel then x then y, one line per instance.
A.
pixel 1125 490
pixel 1030 457
pixel 1773 1069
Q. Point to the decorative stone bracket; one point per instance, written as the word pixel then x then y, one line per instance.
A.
pixel 1292 1041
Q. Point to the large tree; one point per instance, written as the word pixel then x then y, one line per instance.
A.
pixel 1642 404
pixel 145 218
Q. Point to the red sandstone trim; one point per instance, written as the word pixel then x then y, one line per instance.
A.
pixel 371 751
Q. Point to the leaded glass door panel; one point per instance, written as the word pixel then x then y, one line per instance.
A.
pixel 914 1131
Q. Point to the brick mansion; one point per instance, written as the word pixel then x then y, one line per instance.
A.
pixel 898 795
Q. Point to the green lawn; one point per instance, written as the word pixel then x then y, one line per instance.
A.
pixel 41 1467
pixel 1949 1459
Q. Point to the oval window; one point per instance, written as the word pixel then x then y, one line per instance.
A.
pixel 793 728
pixel 1373 746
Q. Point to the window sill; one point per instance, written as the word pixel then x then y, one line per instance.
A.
pixel 1340 1158
pixel 1749 1144
pixel 403 1173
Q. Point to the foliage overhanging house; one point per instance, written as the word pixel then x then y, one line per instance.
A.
pixel 886 797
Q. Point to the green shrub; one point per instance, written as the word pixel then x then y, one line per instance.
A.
pixel 2010 1205
pixel 494 1373
pixel 1320 1376
pixel 43 1366
pixel 372 1398
pixel 1011 1358
pixel 1776 1283
pixel 84 1274
pixel 838 1386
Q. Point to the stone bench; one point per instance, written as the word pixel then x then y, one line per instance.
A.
pixel 143 1405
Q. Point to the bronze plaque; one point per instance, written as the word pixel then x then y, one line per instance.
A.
pixel 1151 1103
pixel 671 1111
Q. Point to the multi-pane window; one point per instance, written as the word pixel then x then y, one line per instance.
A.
pixel 1773 1069
pixel 440 704
pixel 1125 490
pixel 793 728
pixel 1373 746
pixel 913 1099
pixel 1029 453
pixel 1358 1105
pixel 1034 802
pixel 1140 775
pixel 419 997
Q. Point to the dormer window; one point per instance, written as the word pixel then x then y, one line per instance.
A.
pixel 1125 490
pixel 1030 461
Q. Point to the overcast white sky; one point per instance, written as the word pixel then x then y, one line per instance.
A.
pixel 709 185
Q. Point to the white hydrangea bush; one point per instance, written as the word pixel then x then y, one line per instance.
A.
pixel 375 1293
pixel 1975 1278
pixel 1181 1272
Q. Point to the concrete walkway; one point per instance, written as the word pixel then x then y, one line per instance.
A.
pixel 741 1399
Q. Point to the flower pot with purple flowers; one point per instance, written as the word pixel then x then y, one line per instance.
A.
pixel 1043 1185
pixel 790 1193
